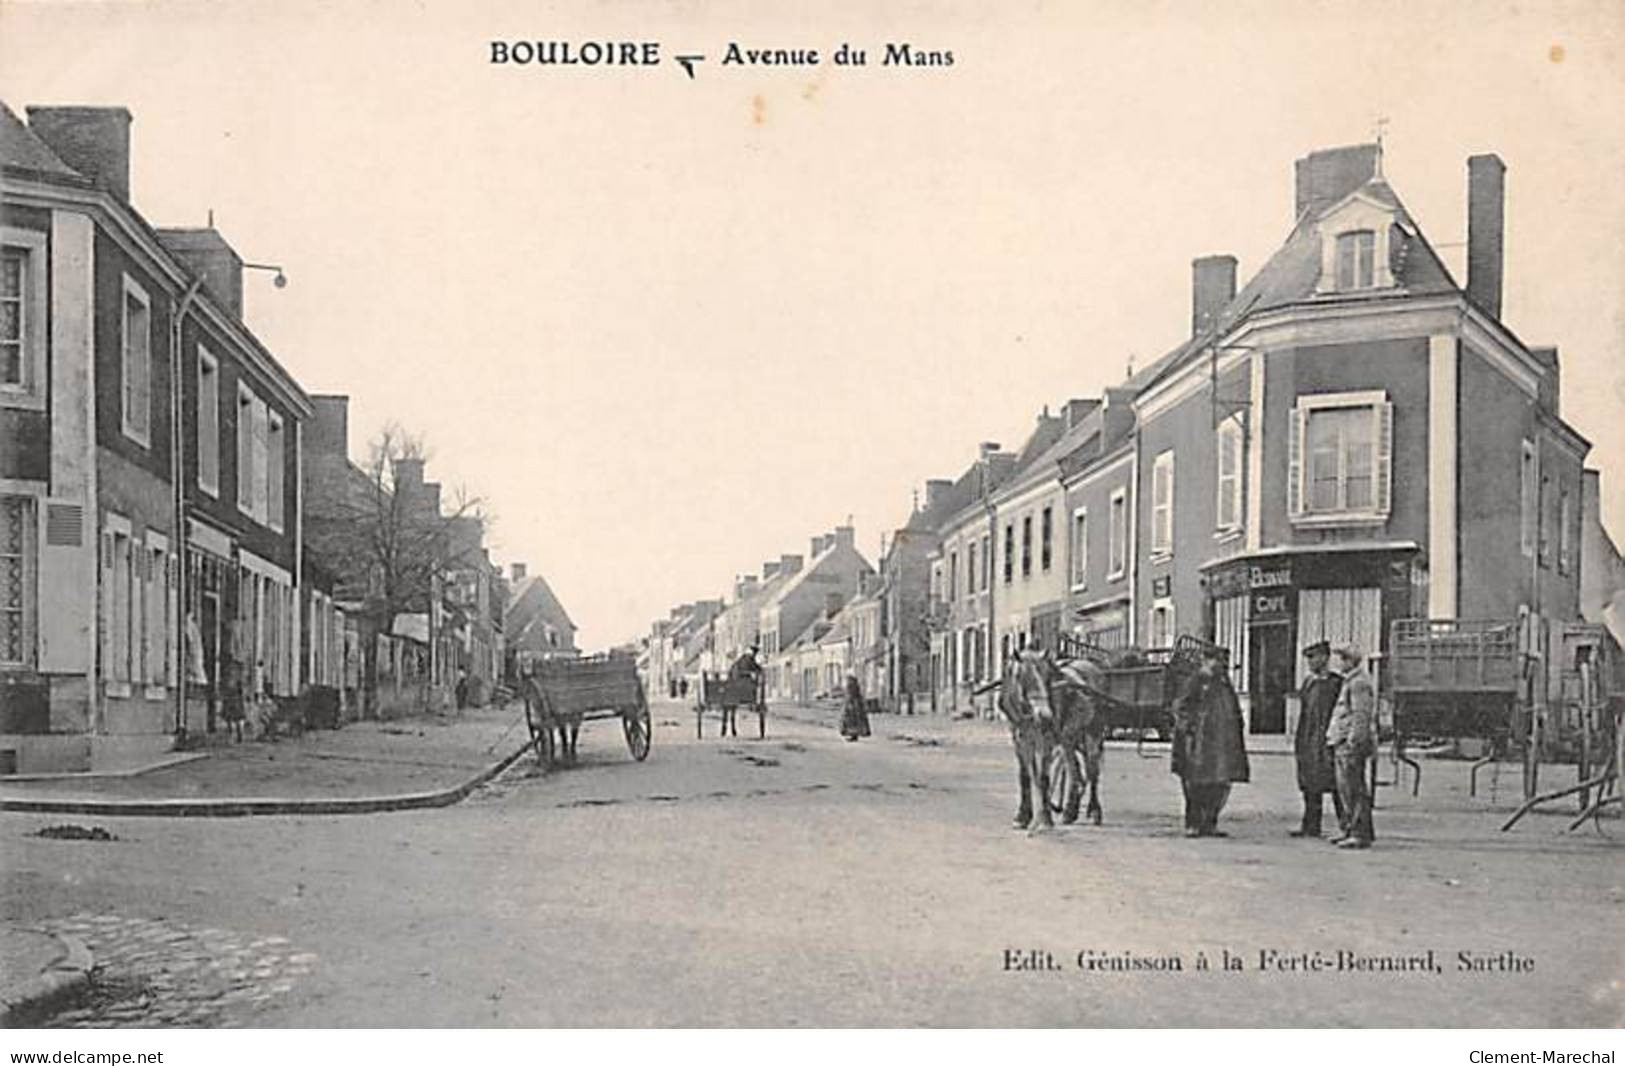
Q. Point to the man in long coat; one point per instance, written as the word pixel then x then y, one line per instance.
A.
pixel 1209 750
pixel 1352 736
pixel 1316 773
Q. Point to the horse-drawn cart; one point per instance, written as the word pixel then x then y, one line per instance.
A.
pixel 560 694
pixel 1137 687
pixel 725 695
pixel 1452 678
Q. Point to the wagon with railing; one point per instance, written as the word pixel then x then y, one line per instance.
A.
pixel 1136 688
pixel 726 694
pixel 561 694
pixel 1451 678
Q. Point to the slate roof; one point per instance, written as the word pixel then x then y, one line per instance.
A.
pixel 19 147
pixel 532 600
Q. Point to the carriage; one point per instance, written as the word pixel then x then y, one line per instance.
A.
pixel 1462 679
pixel 1139 686
pixel 560 694
pixel 725 694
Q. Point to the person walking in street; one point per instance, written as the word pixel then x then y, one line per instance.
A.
pixel 854 719
pixel 1317 773
pixel 1352 737
pixel 1209 750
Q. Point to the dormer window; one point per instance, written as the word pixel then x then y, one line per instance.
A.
pixel 1357 239
pixel 1355 260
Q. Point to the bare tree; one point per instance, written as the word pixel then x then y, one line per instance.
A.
pixel 393 540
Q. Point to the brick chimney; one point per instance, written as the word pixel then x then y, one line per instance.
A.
pixel 987 448
pixel 1325 176
pixel 936 490
pixel 845 536
pixel 95 141
pixel 1117 416
pixel 518 572
pixel 330 433
pixel 1077 410
pixel 770 570
pixel 1550 380
pixel 408 476
pixel 816 547
pixel 1213 286
pixel 431 498
pixel 789 564
pixel 1486 208
pixel 208 256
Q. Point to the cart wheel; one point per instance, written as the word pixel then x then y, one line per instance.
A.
pixel 635 724
pixel 761 721
pixel 1065 789
pixel 541 737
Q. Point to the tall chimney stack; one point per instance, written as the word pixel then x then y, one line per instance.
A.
pixel 1213 286
pixel 518 571
pixel 1486 210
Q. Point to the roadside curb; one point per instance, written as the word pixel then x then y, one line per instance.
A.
pixel 241 808
pixel 29 1002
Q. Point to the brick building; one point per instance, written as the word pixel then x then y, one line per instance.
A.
pixel 150 451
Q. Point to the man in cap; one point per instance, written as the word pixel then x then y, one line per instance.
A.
pixel 1209 750
pixel 1317 774
pixel 1352 737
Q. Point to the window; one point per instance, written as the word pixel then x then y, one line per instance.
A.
pixel 1162 624
pixel 1565 532
pixel 245 450
pixel 137 360
pixel 1117 535
pixel 1544 507
pixel 987 560
pixel 1046 538
pixel 22 318
pixel 275 472
pixel 1027 545
pixel 1162 505
pixel 1356 260
pixel 953 575
pixel 1229 447
pixel 970 566
pixel 1339 457
pixel 1009 552
pixel 17 581
pixel 208 423
pixel 1529 489
pixel 1080 547
pixel 14 316
pixel 120 607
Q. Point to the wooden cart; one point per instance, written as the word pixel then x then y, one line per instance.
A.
pixel 1139 686
pixel 560 694
pixel 1461 678
pixel 725 695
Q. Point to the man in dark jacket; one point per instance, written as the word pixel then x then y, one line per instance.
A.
pixel 1209 750
pixel 1316 774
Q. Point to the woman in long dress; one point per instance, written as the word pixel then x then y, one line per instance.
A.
pixel 854 720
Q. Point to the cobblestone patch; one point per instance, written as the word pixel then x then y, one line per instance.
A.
pixel 153 972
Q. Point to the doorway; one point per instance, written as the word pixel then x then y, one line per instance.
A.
pixel 1270 669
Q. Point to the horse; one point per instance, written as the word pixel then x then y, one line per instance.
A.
pixel 1053 720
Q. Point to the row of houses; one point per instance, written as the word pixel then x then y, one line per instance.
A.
pixel 1350 438
pixel 170 495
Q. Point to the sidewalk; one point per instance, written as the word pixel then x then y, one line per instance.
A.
pixel 407 762
pixel 38 971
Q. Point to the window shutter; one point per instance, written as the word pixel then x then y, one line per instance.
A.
pixel 1383 465
pixel 1294 464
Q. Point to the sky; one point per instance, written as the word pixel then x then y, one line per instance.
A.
pixel 668 328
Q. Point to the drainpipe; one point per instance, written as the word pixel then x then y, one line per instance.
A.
pixel 177 472
pixel 1132 505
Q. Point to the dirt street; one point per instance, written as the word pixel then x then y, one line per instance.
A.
pixel 805 881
